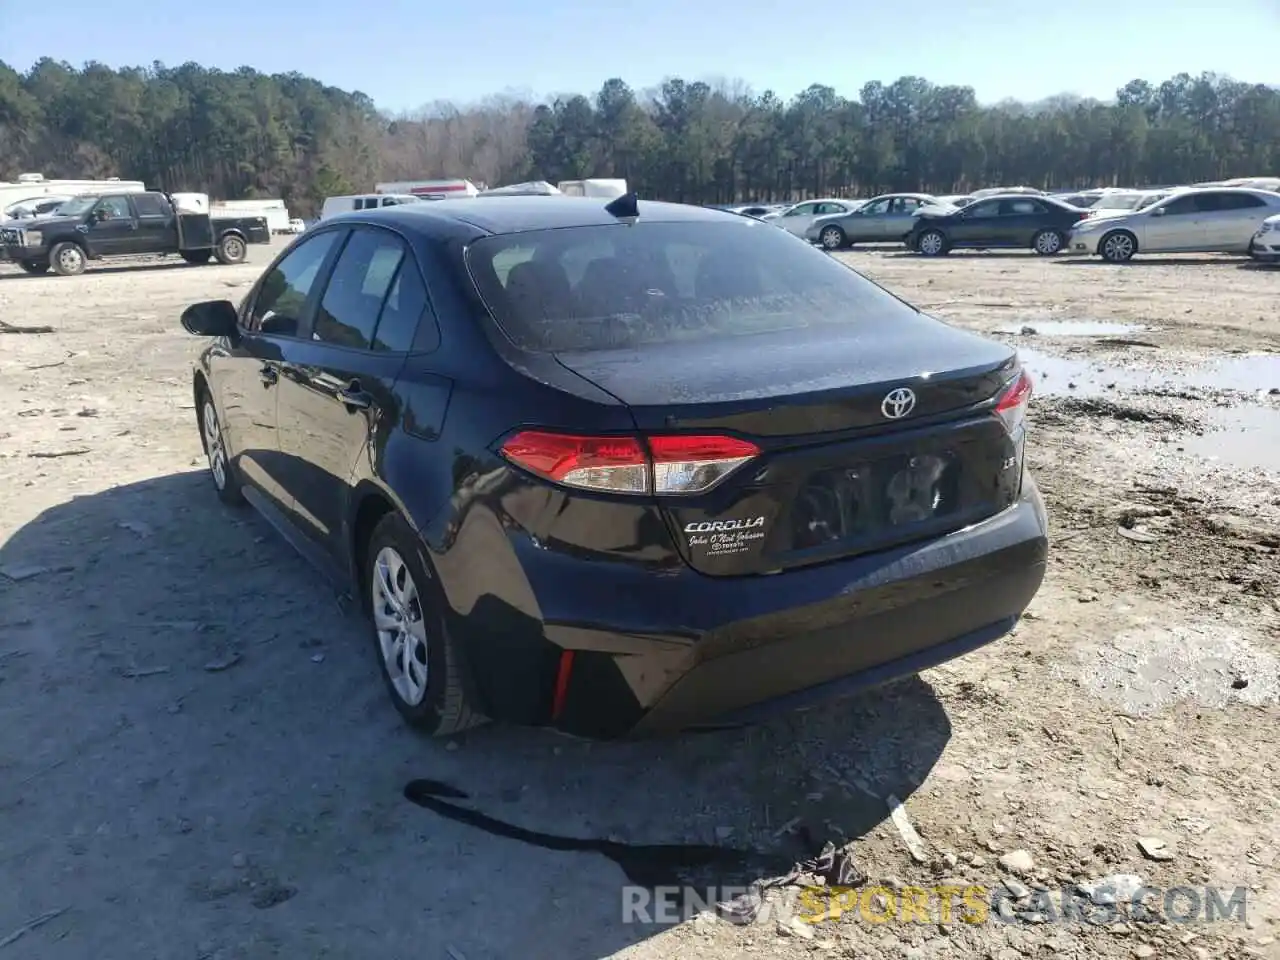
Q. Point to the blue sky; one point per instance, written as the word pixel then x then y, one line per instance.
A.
pixel 404 53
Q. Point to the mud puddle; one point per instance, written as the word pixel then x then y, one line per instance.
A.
pixel 1246 437
pixel 1149 668
pixel 1065 376
pixel 1071 328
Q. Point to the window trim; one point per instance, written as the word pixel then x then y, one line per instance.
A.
pixel 309 305
pixel 326 271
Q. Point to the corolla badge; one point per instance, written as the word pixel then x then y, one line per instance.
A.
pixel 898 403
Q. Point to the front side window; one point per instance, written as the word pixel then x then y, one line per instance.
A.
pixel 283 294
pixel 619 286
pixel 876 208
pixel 357 288
pixel 985 208
pixel 113 208
pixel 1181 206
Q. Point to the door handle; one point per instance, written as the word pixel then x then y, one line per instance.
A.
pixel 353 398
pixel 269 374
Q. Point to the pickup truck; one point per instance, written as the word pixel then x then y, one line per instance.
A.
pixel 128 224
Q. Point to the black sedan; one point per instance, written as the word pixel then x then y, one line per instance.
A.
pixel 621 468
pixel 1013 220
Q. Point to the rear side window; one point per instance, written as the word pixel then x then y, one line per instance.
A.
pixel 615 286
pixel 149 205
pixel 359 284
pixel 283 294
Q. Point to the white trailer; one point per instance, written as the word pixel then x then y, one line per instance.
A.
pixel 430 189
pixel 604 188
pixel 32 186
pixel 275 212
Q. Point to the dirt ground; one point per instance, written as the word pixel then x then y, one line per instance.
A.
pixel 198 760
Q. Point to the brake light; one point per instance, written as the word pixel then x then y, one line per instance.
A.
pixel 1011 408
pixel 668 464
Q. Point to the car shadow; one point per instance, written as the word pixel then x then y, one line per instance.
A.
pixel 191 718
pixel 1140 261
pixel 972 254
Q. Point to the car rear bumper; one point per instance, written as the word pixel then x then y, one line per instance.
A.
pixel 641 652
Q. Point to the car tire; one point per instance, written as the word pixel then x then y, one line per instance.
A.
pixel 35 267
pixel 231 250
pixel 417 657
pixel 226 480
pixel 832 238
pixel 196 257
pixel 67 259
pixel 1048 243
pixel 932 243
pixel 1118 246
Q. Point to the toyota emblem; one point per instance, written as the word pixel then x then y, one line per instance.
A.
pixel 898 403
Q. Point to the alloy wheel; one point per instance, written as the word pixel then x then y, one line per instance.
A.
pixel 397 618
pixel 214 446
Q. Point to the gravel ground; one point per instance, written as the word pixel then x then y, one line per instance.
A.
pixel 197 758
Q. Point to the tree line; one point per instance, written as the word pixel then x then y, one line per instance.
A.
pixel 244 134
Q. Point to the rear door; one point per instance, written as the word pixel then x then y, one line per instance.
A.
pixel 1237 219
pixel 157 232
pixel 336 385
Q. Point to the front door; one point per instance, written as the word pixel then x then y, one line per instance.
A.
pixel 249 375
pixel 871 223
pixel 337 404
pixel 1178 227
pixel 976 224
pixel 111 229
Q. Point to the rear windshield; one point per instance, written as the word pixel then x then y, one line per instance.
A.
pixel 618 286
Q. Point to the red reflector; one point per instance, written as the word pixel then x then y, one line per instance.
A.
pixel 686 449
pixel 561 693
pixel 558 455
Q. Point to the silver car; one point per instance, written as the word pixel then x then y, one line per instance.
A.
pixel 883 219
pixel 798 218
pixel 1195 220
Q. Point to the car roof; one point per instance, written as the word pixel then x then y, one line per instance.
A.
pixel 519 214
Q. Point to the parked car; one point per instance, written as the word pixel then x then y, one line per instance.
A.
pixel 1118 202
pixel 128 224
pixel 799 217
pixel 1265 245
pixel 296 225
pixel 883 219
pixel 627 467
pixel 1015 220
pixel 41 206
pixel 1195 220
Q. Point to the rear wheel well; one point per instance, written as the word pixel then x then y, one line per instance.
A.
pixel 368 515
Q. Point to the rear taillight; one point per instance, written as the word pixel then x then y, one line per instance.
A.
pixel 1011 407
pixel 669 464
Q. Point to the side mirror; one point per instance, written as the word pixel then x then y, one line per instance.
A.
pixel 210 318
pixel 1158 212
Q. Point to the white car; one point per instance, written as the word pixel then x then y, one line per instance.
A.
pixel 1265 245
pixel 799 217
pixel 1195 220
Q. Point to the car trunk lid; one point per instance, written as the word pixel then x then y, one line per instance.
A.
pixel 848 461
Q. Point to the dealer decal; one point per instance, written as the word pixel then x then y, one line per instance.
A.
pixel 723 537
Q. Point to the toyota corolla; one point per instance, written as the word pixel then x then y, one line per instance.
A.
pixel 621 469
